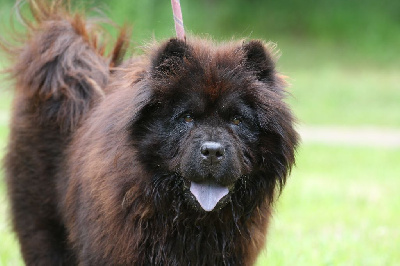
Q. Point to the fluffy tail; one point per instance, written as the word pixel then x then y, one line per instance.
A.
pixel 59 64
pixel 60 69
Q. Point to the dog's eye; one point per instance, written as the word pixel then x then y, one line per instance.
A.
pixel 236 120
pixel 188 118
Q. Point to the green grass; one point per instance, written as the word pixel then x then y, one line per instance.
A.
pixel 346 95
pixel 340 207
pixel 9 250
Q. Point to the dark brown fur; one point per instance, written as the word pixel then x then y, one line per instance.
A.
pixel 85 179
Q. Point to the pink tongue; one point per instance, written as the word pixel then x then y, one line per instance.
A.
pixel 208 194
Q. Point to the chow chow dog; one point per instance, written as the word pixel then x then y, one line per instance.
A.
pixel 172 157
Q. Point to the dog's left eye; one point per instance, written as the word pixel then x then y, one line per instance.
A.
pixel 236 120
pixel 188 118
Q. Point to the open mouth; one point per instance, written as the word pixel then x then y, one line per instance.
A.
pixel 208 194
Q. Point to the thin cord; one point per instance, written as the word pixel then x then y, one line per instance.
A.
pixel 176 8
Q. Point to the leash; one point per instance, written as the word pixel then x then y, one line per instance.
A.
pixel 179 29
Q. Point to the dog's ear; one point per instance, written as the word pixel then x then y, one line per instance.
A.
pixel 259 60
pixel 170 57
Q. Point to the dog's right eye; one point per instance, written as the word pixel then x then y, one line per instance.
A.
pixel 188 118
pixel 236 120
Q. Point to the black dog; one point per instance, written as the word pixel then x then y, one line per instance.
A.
pixel 171 158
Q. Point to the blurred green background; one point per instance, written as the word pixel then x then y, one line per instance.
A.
pixel 341 205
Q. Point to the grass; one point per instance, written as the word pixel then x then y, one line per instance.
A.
pixel 347 96
pixel 9 250
pixel 340 207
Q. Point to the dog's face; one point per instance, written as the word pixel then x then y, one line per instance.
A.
pixel 215 120
pixel 209 143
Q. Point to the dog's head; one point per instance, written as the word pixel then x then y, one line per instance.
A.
pixel 213 120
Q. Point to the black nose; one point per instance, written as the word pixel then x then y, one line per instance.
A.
pixel 212 150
